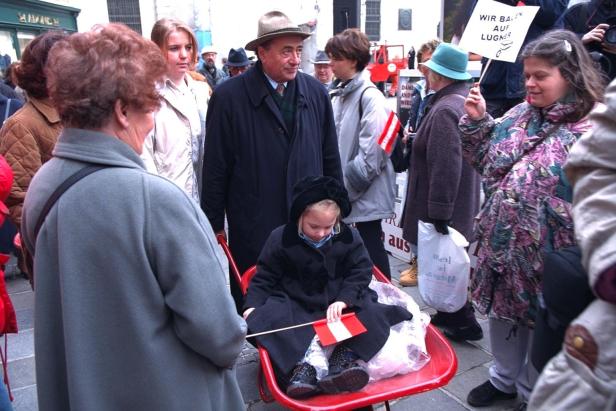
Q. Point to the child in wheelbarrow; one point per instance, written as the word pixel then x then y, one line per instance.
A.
pixel 316 267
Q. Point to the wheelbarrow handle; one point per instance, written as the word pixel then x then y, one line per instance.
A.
pixel 222 240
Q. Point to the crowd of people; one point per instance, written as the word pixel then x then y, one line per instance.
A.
pixel 129 162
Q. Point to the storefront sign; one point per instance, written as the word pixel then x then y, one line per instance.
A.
pixel 392 237
pixel 30 18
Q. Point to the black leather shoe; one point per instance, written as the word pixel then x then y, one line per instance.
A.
pixel 487 394
pixel 345 374
pixel 439 319
pixel 303 381
pixel 467 333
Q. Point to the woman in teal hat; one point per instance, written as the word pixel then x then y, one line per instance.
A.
pixel 442 188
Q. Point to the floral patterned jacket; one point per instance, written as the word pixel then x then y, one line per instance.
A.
pixel 527 210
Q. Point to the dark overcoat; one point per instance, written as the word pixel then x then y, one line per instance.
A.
pixel 441 185
pixel 252 161
pixel 295 283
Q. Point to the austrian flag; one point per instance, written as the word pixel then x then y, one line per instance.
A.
pixel 331 333
pixel 387 138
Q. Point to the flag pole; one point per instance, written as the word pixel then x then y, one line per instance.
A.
pixel 485 70
pixel 343 316
pixel 282 329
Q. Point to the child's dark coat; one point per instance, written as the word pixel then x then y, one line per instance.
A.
pixel 295 283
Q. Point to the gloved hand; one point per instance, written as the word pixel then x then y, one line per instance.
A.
pixel 440 226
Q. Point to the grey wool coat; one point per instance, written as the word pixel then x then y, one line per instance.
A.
pixel 131 306
pixel 441 185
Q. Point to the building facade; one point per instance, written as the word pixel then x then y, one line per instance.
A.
pixel 22 20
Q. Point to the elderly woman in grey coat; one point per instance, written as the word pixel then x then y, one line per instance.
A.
pixel 361 117
pixel 131 309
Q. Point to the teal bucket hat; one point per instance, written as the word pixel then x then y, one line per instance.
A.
pixel 449 61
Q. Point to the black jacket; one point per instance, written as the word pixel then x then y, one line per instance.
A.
pixel 295 283
pixel 252 161
pixel 583 17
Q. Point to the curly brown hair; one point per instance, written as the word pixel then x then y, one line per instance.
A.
pixel 30 72
pixel 428 46
pixel 563 49
pixel 88 72
pixel 351 44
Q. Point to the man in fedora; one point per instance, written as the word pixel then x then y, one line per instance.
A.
pixel 322 69
pixel 237 62
pixel 213 75
pixel 266 130
pixel 442 188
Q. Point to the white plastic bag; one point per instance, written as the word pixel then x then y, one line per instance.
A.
pixel 443 268
pixel 405 349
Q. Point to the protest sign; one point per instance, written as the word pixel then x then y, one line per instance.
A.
pixel 497 31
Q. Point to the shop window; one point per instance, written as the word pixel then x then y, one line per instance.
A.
pixel 8 53
pixel 373 20
pixel 125 11
pixel 23 38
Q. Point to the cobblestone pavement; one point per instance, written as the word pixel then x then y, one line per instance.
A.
pixel 473 362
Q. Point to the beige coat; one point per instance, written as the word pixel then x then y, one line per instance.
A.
pixel 583 375
pixel 174 149
pixel 26 141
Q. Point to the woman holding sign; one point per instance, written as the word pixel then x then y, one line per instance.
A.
pixel 528 198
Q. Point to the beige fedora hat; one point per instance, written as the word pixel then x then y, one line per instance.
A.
pixel 274 24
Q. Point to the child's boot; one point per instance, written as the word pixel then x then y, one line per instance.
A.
pixel 345 374
pixel 303 381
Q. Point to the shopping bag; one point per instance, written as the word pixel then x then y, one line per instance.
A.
pixel 443 267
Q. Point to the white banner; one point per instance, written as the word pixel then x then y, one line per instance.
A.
pixel 497 31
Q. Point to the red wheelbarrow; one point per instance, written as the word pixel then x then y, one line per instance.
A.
pixel 436 373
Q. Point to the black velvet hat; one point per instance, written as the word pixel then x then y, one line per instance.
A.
pixel 237 58
pixel 310 190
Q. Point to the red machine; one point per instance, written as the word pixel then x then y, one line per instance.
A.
pixel 385 65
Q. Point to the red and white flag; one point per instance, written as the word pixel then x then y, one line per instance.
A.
pixel 387 138
pixel 331 333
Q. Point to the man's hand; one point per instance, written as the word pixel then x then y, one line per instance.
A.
pixel 595 34
pixel 334 311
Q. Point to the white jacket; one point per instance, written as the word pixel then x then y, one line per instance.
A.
pixel 369 175
pixel 174 149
